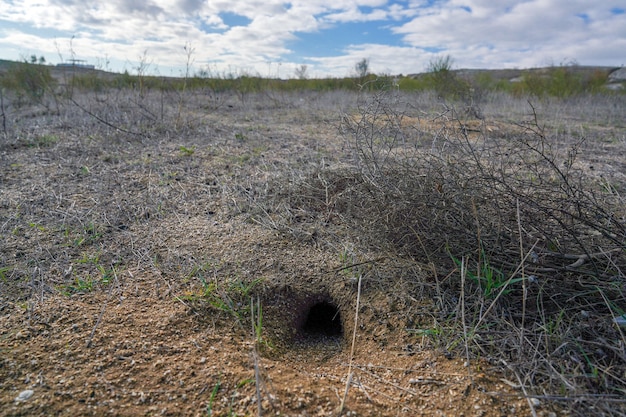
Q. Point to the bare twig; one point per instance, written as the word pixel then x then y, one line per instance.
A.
pixel 356 323
pixel 359 264
pixel 463 323
pixel 101 120
pixel 4 116
pixel 522 273
pixel 521 385
pixel 104 306
pixel 257 373
pixel 503 289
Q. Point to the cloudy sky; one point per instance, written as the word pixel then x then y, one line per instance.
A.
pixel 274 37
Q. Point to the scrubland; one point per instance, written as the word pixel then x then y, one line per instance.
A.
pixel 247 246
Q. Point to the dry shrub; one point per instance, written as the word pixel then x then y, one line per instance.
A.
pixel 527 253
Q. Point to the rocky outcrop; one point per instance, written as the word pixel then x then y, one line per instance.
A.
pixel 616 79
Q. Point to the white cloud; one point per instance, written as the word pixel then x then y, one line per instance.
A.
pixel 477 33
pixel 526 33
pixel 354 14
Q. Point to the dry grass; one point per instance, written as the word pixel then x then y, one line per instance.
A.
pixel 526 247
pixel 519 244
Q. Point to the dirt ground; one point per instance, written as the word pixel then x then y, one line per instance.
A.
pixel 150 356
pixel 113 243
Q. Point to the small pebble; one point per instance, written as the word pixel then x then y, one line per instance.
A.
pixel 24 395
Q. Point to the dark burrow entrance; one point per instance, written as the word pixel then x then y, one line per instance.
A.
pixel 322 321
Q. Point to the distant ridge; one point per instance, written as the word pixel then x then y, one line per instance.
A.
pixel 61 71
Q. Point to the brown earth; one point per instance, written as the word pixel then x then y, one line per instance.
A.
pixel 150 355
pixel 117 252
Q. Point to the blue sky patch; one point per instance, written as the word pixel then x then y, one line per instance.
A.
pixel 232 19
pixel 584 16
pixel 333 41
pixel 26 28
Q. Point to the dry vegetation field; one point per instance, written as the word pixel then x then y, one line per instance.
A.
pixel 312 254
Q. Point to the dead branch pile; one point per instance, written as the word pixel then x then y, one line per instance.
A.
pixel 541 245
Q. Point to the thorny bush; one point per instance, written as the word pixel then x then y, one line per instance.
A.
pixel 514 211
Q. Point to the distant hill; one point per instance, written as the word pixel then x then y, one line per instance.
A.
pixel 513 74
pixel 61 73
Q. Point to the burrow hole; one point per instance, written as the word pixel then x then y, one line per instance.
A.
pixel 322 320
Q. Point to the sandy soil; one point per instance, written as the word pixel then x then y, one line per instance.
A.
pixel 150 356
